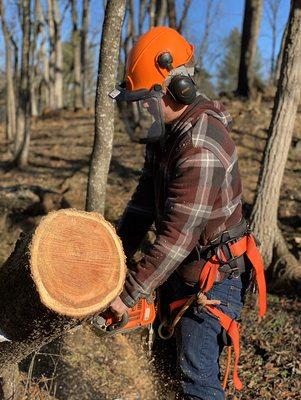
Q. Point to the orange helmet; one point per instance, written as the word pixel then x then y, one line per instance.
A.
pixel 142 68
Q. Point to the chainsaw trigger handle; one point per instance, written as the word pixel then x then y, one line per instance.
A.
pixel 120 324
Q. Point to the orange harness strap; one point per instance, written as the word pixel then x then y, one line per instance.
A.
pixel 207 277
pixel 245 245
pixel 232 329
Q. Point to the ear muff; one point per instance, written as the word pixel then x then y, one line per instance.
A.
pixel 181 87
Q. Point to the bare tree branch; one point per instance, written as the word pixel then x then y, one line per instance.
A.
pixel 184 16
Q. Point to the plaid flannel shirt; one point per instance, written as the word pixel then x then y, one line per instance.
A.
pixel 191 188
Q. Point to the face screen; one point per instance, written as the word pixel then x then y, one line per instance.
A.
pixel 149 107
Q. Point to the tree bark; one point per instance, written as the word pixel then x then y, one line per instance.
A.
pixel 161 12
pixel 84 49
pixel 264 214
pixel 273 7
pixel 58 86
pixel 104 107
pixel 10 128
pixel 44 90
pixel 34 75
pixel 142 13
pixel 152 13
pixel 184 16
pixel 23 117
pixel 77 90
pixel 71 267
pixel 51 55
pixel 131 32
pixel 172 17
pixel 251 24
pixel 56 55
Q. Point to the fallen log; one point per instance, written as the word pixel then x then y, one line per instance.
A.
pixel 72 266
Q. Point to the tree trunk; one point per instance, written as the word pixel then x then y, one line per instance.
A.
pixel 10 380
pixel 264 215
pixel 161 12
pixel 71 267
pixel 142 13
pixel 77 90
pixel 152 13
pixel 51 55
pixel 104 106
pixel 44 95
pixel 56 55
pixel 34 61
pixel 84 49
pixel 184 16
pixel 23 117
pixel 58 84
pixel 10 92
pixel 251 24
pixel 172 17
pixel 211 17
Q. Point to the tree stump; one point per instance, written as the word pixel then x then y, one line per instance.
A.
pixel 72 266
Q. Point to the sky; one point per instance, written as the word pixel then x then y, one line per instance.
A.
pixel 230 16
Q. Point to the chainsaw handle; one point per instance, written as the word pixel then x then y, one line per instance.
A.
pixel 120 324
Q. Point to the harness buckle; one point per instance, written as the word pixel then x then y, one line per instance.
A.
pixel 225 257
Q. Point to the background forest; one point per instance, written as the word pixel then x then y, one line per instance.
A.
pixel 57 64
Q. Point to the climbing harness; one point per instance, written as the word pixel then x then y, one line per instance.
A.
pixel 223 259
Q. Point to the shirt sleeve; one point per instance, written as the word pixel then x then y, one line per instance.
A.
pixel 139 213
pixel 192 192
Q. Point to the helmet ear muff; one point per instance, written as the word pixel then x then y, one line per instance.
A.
pixel 182 89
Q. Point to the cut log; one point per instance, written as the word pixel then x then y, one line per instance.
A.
pixel 72 266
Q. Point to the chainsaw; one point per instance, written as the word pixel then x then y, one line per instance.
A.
pixel 141 315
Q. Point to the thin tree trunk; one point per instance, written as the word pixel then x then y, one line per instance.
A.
pixel 272 11
pixel 161 12
pixel 184 16
pixel 142 13
pixel 58 84
pixel 51 55
pixel 77 90
pixel 251 24
pixel 34 74
pixel 44 95
pixel 10 128
pixel 204 41
pixel 104 107
pixel 84 50
pixel 23 118
pixel 56 55
pixel 131 32
pixel 152 13
pixel 172 17
pixel 264 215
pixel 16 69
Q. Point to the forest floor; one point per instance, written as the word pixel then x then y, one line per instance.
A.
pixel 83 366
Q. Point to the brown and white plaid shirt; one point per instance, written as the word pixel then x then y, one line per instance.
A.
pixel 191 188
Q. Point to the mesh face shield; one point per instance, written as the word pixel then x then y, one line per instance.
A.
pixel 150 110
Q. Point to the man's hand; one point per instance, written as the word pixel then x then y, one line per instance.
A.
pixel 118 307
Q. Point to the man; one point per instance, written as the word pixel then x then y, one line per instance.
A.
pixel 191 188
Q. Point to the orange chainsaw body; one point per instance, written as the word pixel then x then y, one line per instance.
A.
pixel 142 314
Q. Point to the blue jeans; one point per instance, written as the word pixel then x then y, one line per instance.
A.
pixel 200 341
